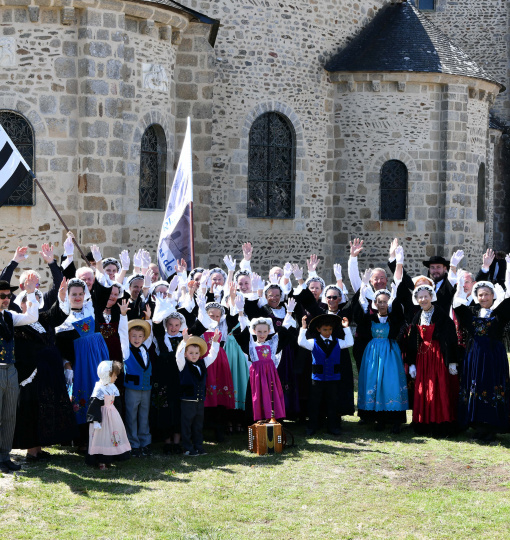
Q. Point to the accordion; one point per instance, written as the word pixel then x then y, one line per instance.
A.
pixel 266 438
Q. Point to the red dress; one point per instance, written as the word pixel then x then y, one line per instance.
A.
pixel 433 399
pixel 220 386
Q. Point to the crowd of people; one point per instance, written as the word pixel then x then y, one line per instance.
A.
pixel 113 359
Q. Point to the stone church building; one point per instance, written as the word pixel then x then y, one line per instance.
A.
pixel 313 121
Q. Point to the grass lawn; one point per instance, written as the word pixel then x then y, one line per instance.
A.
pixel 364 484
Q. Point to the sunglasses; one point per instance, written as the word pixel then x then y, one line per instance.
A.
pixel 331 297
pixel 4 296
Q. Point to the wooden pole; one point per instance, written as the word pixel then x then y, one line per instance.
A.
pixel 192 235
pixel 61 220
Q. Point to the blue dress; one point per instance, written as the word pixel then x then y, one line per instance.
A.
pixel 89 349
pixel 382 384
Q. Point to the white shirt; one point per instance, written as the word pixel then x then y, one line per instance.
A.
pixel 309 343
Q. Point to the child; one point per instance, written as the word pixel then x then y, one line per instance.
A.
pixel 264 357
pixel 193 375
pixel 325 367
pixel 107 440
pixel 135 338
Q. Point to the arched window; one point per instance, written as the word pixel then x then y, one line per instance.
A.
pixel 22 135
pixel 153 169
pixel 393 190
pixel 480 202
pixel 271 167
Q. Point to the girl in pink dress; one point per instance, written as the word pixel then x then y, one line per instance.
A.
pixel 263 346
pixel 108 440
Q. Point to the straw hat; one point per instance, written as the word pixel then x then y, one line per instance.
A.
pixel 195 340
pixel 144 324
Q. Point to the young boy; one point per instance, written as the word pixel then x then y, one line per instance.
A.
pixel 326 351
pixel 135 338
pixel 193 375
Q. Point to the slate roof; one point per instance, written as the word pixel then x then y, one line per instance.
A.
pixel 400 38
pixel 495 122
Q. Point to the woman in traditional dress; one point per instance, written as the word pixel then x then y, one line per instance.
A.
pixel 45 415
pixel 484 389
pixel 82 348
pixel 382 385
pixel 432 356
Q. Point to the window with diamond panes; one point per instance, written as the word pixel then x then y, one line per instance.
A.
pixel 153 169
pixel 393 191
pixel 22 135
pixel 480 202
pixel 271 167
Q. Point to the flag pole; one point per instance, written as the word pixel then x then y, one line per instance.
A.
pixel 60 218
pixel 192 228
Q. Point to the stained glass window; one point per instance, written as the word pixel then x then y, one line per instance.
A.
pixel 480 202
pixel 20 131
pixel 271 167
pixel 393 190
pixel 153 169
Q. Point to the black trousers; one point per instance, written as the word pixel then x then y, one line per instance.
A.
pixel 192 425
pixel 330 392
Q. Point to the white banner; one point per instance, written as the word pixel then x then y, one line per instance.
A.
pixel 175 241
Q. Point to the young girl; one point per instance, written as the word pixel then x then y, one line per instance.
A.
pixel 107 440
pixel 263 350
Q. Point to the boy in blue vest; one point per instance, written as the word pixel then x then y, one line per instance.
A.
pixel 192 364
pixel 135 338
pixel 326 351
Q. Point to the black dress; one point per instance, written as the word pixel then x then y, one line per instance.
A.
pixel 44 415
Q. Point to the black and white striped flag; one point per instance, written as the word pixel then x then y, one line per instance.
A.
pixel 13 168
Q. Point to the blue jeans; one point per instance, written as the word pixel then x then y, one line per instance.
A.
pixel 137 417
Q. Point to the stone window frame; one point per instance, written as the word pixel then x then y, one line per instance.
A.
pixel 481 193
pixel 434 4
pixel 373 178
pixel 240 156
pixel 386 191
pixel 288 180
pixel 29 125
pixel 148 119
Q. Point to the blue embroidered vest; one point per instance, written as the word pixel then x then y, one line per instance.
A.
pixel 326 368
pixel 193 383
pixel 7 340
pixel 137 376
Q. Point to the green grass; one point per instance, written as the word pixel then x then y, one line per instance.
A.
pixel 365 484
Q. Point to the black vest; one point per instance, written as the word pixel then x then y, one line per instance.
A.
pixel 192 382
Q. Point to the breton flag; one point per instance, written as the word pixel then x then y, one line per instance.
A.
pixel 13 168
pixel 176 239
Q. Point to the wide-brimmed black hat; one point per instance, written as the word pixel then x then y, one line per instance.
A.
pixel 324 320
pixel 436 259
pixel 4 285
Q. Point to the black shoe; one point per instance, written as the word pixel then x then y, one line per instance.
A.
pixel 335 431
pixel 42 455
pixel 136 452
pixel 201 452
pixel 30 457
pixel 11 465
pixel 310 432
pixel 191 453
pixel 146 451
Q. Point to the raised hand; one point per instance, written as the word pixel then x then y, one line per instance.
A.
pixel 62 290
pixel 96 253
pixel 137 259
pixel 229 263
pixel 21 254
pixel 69 245
pixel 393 247
pixel 201 300
pixel 147 313
pixel 146 259
pixel 356 247
pixel 399 255
pixel 365 278
pixel 124 307
pixel 239 303
pixel 456 258
pixel 172 286
pixel 488 257
pixel 254 281
pixel 185 335
pixel 345 322
pixel 287 270
pixel 147 280
pixel 337 269
pixel 217 335
pixel 124 259
pixel 247 251
pixel 31 281
pixel 47 253
pixel 291 305
pixel 181 266
pixel 312 263
pixel 303 322
pixel 298 272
